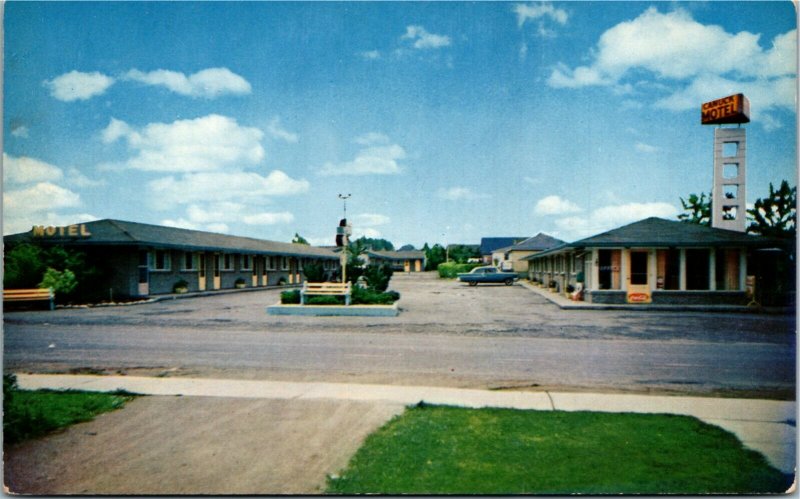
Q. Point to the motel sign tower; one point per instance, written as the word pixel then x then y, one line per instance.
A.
pixel 728 196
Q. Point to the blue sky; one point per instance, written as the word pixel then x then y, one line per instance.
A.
pixel 447 122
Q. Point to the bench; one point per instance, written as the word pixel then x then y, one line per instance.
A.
pixel 325 289
pixel 25 295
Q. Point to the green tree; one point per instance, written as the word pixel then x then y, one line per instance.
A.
pixel 378 276
pixel 24 267
pixel 462 253
pixel 697 208
pixel 434 256
pixel 62 282
pixel 407 247
pixel 376 244
pixel 314 272
pixel 298 239
pixel 775 215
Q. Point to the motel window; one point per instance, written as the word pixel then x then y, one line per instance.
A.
pixel 271 262
pixel 247 262
pixel 189 261
pixel 160 260
pixel 727 269
pixel 227 261
pixel 639 267
pixel 697 268
pixel 669 269
pixel 284 263
pixel 609 266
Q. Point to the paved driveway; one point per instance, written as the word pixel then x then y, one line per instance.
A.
pixel 447 334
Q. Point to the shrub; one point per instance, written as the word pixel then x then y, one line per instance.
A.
pixel 325 300
pixel 282 281
pixel 291 296
pixel 61 282
pixel 378 276
pixel 368 296
pixel 450 270
pixel 314 272
pixel 180 286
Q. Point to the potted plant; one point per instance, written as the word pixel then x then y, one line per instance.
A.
pixel 239 283
pixel 180 287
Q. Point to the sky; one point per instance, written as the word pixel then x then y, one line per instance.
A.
pixel 445 122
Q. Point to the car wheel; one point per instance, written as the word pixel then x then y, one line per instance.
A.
pixel 473 283
pixel 509 282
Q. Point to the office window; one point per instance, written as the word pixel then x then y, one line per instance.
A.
pixel 727 269
pixel 189 261
pixel 247 262
pixel 227 261
pixel 697 268
pixel 284 263
pixel 160 260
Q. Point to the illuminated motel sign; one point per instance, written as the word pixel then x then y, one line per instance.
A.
pixel 75 230
pixel 730 109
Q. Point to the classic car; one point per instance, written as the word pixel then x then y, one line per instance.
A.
pixel 488 275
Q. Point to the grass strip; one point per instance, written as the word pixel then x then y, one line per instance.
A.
pixel 449 450
pixel 30 414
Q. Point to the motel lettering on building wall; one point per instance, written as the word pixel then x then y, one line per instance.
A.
pixel 75 230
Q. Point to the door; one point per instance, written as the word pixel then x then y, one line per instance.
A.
pixel 638 278
pixel 144 273
pixel 217 263
pixel 254 262
pixel 201 271
pixel 417 265
pixel 407 266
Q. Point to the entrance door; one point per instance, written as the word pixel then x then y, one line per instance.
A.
pixel 407 266
pixel 638 280
pixel 144 273
pixel 217 264
pixel 201 271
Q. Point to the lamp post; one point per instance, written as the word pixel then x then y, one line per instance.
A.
pixel 345 239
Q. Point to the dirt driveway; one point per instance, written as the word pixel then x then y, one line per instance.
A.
pixel 198 445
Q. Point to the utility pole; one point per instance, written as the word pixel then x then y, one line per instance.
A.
pixel 345 239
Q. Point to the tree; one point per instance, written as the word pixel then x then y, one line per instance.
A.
pixel 461 253
pixel 24 267
pixel 407 247
pixel 376 244
pixel 776 215
pixel 698 208
pixel 298 239
pixel 434 256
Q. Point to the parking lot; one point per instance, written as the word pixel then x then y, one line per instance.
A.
pixel 446 334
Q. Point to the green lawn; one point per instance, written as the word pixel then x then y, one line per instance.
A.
pixel 29 414
pixel 448 450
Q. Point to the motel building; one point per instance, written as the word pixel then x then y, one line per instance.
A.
pixel 141 259
pixel 658 261
pixel 401 261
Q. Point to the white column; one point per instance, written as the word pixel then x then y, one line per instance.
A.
pixel 683 270
pixel 652 269
pixel 595 263
pixel 624 263
pixel 712 269
pixel 742 269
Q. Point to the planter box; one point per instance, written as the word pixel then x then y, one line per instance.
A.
pixel 335 310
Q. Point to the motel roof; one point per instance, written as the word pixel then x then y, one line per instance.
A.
pixel 658 232
pixel 539 242
pixel 398 255
pixel 108 232
pixel 491 244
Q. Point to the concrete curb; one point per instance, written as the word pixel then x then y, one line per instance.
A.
pixel 767 426
pixel 334 310
pixel 563 303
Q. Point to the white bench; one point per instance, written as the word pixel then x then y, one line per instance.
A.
pixel 38 294
pixel 325 289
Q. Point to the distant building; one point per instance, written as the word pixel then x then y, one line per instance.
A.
pixel 143 259
pixel 511 258
pixel 403 261
pixel 658 261
pixel 491 244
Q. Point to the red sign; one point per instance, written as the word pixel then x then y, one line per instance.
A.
pixel 639 298
pixel 730 109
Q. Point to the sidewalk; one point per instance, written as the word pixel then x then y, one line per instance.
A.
pixel 565 303
pixel 767 426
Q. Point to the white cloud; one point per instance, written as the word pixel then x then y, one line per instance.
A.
pixel 276 131
pixel 76 85
pixel 266 218
pixel 22 170
pixel 371 55
pixel 533 11
pixel 424 40
pixel 705 60
pixel 645 148
pixel 76 178
pixel 216 212
pixel 209 143
pixel 370 220
pixel 365 232
pixel 378 157
pixel 21 132
pixel 555 205
pixel 208 83
pixel 611 217
pixel 42 196
pixel 460 193
pixel 217 186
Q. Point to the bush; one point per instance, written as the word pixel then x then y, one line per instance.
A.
pixel 61 282
pixel 378 276
pixel 368 296
pixel 314 272
pixel 325 300
pixel 180 286
pixel 291 296
pixel 450 270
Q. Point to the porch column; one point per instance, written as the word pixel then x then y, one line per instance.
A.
pixel 624 263
pixel 652 269
pixel 595 271
pixel 682 279
pixel 742 269
pixel 712 269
